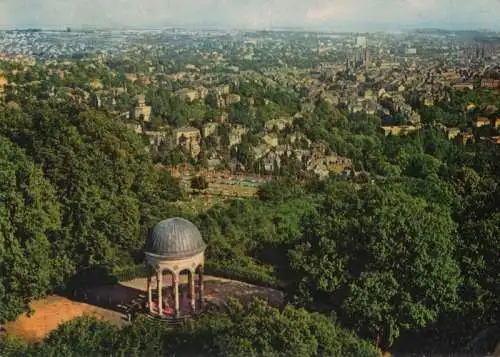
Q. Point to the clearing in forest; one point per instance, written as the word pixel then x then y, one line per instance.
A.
pixel 54 310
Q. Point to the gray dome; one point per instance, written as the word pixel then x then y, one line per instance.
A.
pixel 175 238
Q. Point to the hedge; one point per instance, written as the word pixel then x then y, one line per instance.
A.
pixel 133 272
pixel 251 275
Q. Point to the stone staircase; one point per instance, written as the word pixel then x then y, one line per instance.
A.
pixel 172 321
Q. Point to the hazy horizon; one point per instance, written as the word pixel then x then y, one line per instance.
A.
pixel 342 15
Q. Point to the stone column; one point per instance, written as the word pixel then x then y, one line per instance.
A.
pixel 201 288
pixel 192 291
pixel 176 294
pixel 159 279
pixel 150 295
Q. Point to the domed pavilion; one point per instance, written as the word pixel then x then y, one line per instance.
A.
pixel 174 250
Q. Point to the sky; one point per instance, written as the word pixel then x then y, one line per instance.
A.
pixel 332 14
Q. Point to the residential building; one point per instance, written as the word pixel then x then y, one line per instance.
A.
pixel 481 121
pixel 492 140
pixel 463 86
pixel 236 134
pixel 188 138
pixel 495 123
pixel 398 130
pixel 490 83
pixel 156 138
pixel 142 111
pixel 452 133
pixel 187 94
pixel 465 138
pixel 3 83
pixel 271 140
pixel 210 129
pixel 278 124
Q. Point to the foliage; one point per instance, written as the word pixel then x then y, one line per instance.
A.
pixel 415 252
pixel 251 234
pixel 382 259
pixel 260 330
pixel 199 183
pixel 253 275
pixel 255 330
pixel 29 222
pixel 279 190
pixel 106 193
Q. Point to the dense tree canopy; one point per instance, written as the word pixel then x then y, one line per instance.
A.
pixel 29 222
pixel 237 331
pixel 383 260
pixel 406 245
pixel 87 208
pixel 388 259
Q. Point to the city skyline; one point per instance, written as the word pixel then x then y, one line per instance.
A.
pixel 342 15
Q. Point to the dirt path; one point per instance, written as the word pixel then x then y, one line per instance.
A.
pixel 220 289
pixel 55 310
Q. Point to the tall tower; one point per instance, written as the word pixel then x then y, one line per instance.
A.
pixel 361 41
pixel 359 58
pixel 365 58
pixel 318 49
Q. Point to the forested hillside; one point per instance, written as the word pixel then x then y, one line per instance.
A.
pixel 405 255
pixel 81 191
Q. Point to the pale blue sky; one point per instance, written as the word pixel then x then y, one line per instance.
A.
pixel 341 14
